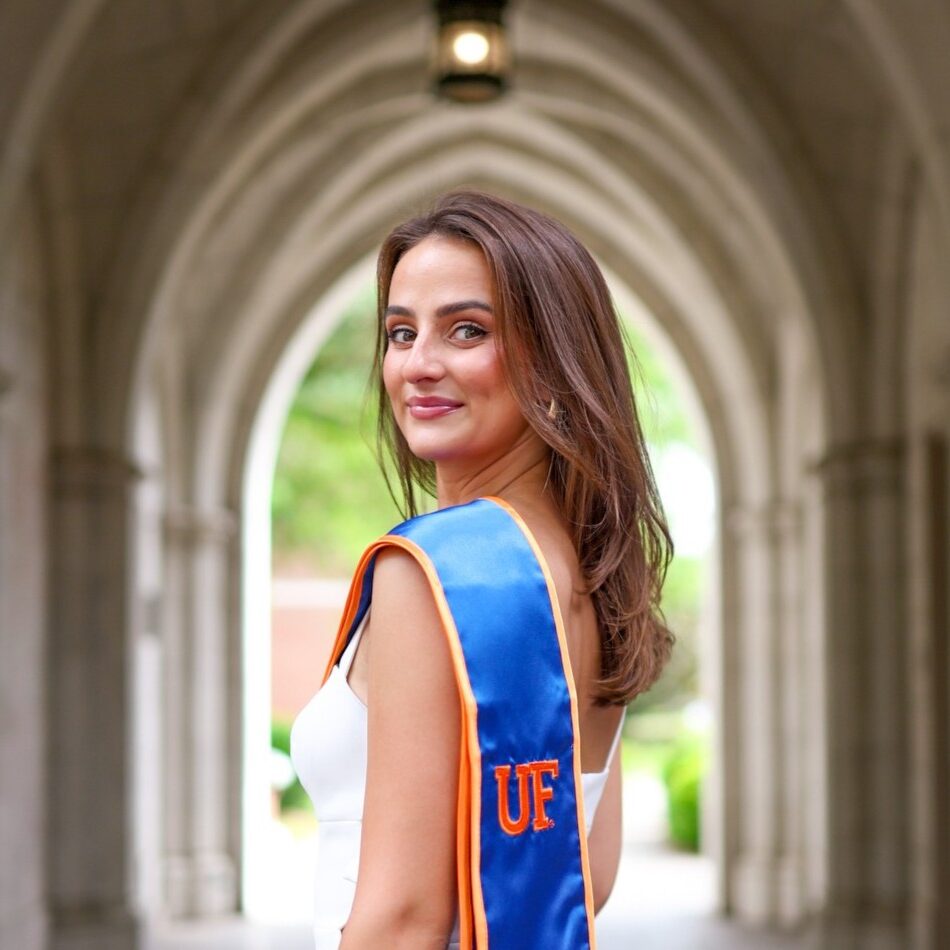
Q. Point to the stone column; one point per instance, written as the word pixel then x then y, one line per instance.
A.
pixel 795 689
pixel 868 754
pixel 203 735
pixel 89 768
pixel 23 622
pixel 764 547
pixel 929 636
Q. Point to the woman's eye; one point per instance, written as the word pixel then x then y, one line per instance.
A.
pixel 464 332
pixel 469 331
pixel 395 336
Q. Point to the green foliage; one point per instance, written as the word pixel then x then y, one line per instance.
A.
pixel 658 403
pixel 330 499
pixel 682 776
pixel 680 603
pixel 280 735
pixel 644 758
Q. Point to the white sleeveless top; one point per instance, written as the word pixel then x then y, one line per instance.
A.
pixel 328 748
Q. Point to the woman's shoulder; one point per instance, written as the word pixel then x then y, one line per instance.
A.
pixel 399 579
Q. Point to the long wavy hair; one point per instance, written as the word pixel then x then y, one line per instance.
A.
pixel 560 338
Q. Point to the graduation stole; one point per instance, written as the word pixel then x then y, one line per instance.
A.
pixel 523 867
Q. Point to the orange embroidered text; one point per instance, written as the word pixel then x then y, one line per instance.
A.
pixel 526 773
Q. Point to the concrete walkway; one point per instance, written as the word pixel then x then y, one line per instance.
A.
pixel 662 901
pixel 674 933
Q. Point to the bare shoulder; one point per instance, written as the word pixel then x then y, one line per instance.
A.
pixel 394 563
pixel 408 640
pixel 400 582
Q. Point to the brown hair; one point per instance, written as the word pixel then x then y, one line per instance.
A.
pixel 559 337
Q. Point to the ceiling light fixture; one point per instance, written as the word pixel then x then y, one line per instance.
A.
pixel 471 56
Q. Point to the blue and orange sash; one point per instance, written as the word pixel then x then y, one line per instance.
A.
pixel 523 868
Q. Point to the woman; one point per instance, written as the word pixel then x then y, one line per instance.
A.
pixel 504 392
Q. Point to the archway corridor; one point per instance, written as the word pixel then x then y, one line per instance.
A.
pixel 768 180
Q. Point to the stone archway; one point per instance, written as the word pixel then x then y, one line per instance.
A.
pixel 189 200
pixel 706 300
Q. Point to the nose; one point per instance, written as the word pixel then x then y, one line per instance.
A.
pixel 424 359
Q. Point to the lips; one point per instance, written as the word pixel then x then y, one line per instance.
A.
pixel 432 401
pixel 431 407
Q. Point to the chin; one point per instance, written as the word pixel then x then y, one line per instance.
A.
pixel 430 453
pixel 436 450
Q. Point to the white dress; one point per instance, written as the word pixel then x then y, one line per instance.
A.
pixel 328 747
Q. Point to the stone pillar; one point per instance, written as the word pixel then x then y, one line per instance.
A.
pixel 794 689
pixel 929 635
pixel 203 734
pixel 23 620
pixel 765 550
pixel 89 760
pixel 868 750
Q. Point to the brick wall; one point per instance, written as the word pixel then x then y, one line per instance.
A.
pixel 305 615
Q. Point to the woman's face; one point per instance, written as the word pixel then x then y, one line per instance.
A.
pixel 442 368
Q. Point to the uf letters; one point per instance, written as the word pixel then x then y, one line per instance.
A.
pixel 525 772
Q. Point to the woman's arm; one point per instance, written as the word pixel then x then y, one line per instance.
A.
pixel 606 835
pixel 406 885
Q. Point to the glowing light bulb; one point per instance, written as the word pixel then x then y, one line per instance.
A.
pixel 470 47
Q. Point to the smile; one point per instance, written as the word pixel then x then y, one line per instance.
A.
pixel 432 412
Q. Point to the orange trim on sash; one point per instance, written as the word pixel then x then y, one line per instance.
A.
pixel 468 831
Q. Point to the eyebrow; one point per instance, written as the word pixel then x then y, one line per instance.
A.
pixel 443 311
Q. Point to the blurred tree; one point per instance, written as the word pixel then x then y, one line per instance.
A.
pixel 665 422
pixel 330 499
